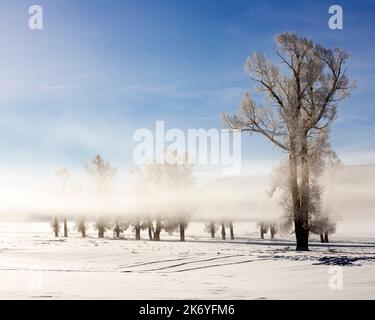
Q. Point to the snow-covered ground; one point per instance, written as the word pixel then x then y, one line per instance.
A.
pixel 36 265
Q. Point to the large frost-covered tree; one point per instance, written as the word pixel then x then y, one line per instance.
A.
pixel 55 224
pixel 211 227
pixel 120 224
pixel 179 174
pixel 81 225
pixel 63 177
pixel 151 189
pixel 299 104
pixel 102 174
pixel 164 183
pixel 138 223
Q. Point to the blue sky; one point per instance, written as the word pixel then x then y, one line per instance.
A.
pixel 100 69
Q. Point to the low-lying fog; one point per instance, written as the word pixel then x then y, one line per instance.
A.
pixel 25 196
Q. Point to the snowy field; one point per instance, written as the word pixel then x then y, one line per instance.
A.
pixel 36 265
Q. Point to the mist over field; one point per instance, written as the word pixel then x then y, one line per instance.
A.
pixel 350 195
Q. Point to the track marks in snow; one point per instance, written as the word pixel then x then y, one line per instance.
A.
pixel 215 265
pixel 189 265
pixel 152 262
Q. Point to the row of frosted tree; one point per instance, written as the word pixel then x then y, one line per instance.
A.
pixel 136 225
pixel 160 184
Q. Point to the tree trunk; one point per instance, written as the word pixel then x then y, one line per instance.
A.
pixel 65 228
pixel 117 230
pixel 100 232
pixel 261 232
pixel 149 229
pixel 223 234
pixel 302 235
pixel 157 229
pixel 55 226
pixel 212 229
pixel 272 232
pixel 182 231
pixel 300 223
pixel 303 223
pixel 137 227
pixel 321 238
pixel 326 237
pixel 231 230
pixel 83 231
